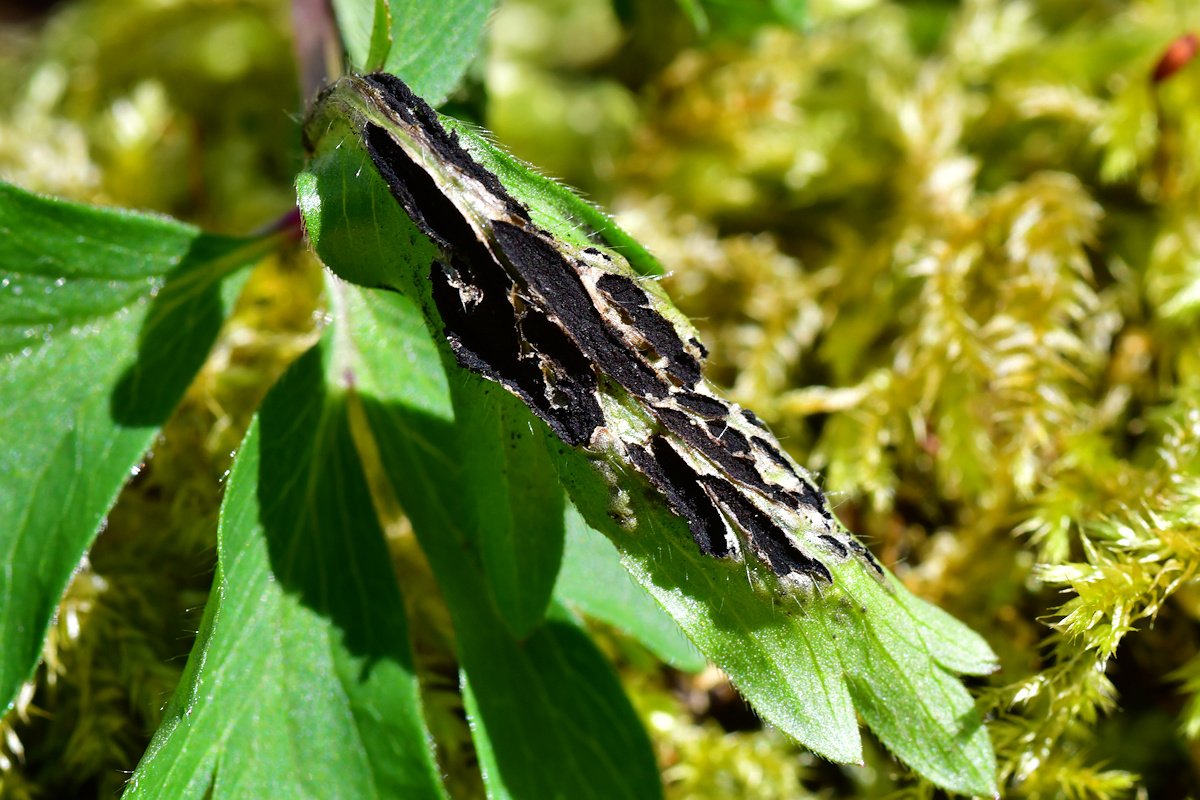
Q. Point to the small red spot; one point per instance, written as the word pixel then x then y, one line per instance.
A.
pixel 1177 56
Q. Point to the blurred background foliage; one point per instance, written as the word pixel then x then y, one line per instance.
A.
pixel 950 251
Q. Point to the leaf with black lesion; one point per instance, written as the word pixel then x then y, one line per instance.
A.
pixel 774 589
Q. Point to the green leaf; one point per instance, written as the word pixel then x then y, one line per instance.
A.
pixel 105 318
pixel 802 660
pixel 302 679
pixel 807 663
pixel 788 670
pixel 561 647
pixel 430 45
pixel 923 715
pixel 555 719
pixel 514 499
pixel 381 36
pixel 357 21
pixel 594 582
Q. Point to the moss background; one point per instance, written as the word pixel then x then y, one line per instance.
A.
pixel 950 251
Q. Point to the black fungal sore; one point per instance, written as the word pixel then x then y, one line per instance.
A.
pixel 732 438
pixel 486 338
pixel 672 476
pixel 865 554
pixel 739 467
pixel 415 111
pixel 538 262
pixel 653 326
pixel 764 536
pixel 702 404
pixel 770 451
pixel 516 310
pixel 833 544
pixel 753 419
pixel 594 251
pixel 423 201
pixel 810 497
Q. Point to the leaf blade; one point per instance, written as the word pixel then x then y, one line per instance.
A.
pixel 148 293
pixel 595 583
pixel 430 45
pixel 381 36
pixel 787 651
pixel 515 501
pixel 523 698
pixel 410 417
pixel 306 630
pixel 799 689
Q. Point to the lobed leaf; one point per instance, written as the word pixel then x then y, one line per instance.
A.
pixel 548 715
pixel 302 678
pixel 430 44
pixel 805 661
pixel 531 710
pixel 105 318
